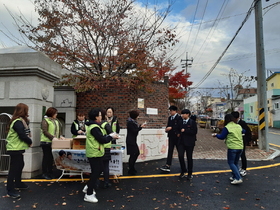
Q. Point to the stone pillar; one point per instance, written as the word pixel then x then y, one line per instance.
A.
pixel 65 102
pixel 28 76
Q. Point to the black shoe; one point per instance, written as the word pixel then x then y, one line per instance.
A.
pixel 165 168
pixel 131 172
pixel 189 177
pixel 46 176
pixel 21 186
pixel 51 176
pixel 107 185
pixel 13 194
pixel 183 175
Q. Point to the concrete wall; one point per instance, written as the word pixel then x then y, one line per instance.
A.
pixel 27 76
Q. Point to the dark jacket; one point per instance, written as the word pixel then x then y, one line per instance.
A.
pixel 188 137
pixel 248 134
pixel 74 130
pixel 176 125
pixel 133 129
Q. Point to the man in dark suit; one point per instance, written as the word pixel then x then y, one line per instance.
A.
pixel 173 132
pixel 246 138
pixel 187 143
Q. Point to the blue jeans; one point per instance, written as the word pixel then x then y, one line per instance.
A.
pixel 233 157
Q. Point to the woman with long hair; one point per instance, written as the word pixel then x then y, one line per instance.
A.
pixel 18 140
pixel 113 121
pixel 133 129
pixel 232 133
pixel 50 130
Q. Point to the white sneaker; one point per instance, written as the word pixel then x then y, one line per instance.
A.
pixel 237 181
pixel 90 198
pixel 231 178
pixel 243 172
pixel 85 190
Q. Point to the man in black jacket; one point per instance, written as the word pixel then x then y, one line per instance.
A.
pixel 173 129
pixel 187 143
pixel 246 138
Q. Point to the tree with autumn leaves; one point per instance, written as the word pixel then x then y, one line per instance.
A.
pixel 101 41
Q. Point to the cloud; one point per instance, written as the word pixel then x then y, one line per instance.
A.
pixel 205 45
pixel 240 55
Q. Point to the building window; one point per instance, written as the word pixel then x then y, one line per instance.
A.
pixel 276 105
pixel 251 109
pixel 272 84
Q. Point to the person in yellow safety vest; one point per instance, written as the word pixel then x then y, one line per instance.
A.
pixel 18 140
pixel 78 126
pixel 107 156
pixel 50 130
pixel 113 121
pixel 95 139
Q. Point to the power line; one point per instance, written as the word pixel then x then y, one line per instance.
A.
pixel 192 24
pixel 223 53
pixel 199 26
pixel 216 20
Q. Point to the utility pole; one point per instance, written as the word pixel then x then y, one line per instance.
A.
pixel 261 75
pixel 188 62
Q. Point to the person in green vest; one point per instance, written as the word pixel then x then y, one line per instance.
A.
pixel 113 121
pixel 107 156
pixel 78 127
pixel 50 130
pixel 232 133
pixel 18 140
pixel 96 137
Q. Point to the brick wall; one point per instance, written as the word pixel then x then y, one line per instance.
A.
pixel 123 99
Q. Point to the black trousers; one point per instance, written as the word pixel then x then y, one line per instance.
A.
pixel 16 166
pixel 243 157
pixel 47 163
pixel 96 165
pixel 189 151
pixel 106 171
pixel 172 142
pixel 132 160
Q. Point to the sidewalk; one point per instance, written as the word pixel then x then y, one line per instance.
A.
pixel 208 147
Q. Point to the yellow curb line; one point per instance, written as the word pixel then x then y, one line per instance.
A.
pixel 275 145
pixel 155 175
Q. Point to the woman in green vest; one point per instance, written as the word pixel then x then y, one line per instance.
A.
pixel 95 139
pixel 113 121
pixel 78 127
pixel 232 133
pixel 18 140
pixel 50 130
pixel 107 156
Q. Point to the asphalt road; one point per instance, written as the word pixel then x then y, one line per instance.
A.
pixel 209 189
pixel 274 136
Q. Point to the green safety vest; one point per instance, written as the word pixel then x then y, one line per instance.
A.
pixel 114 126
pixel 14 143
pixel 107 145
pixel 77 127
pixel 93 147
pixel 53 127
pixel 234 138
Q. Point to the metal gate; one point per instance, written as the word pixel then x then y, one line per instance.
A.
pixel 4 158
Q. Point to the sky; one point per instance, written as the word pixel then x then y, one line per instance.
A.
pixel 204 29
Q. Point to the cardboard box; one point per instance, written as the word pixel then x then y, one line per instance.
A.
pixel 79 143
pixel 62 144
